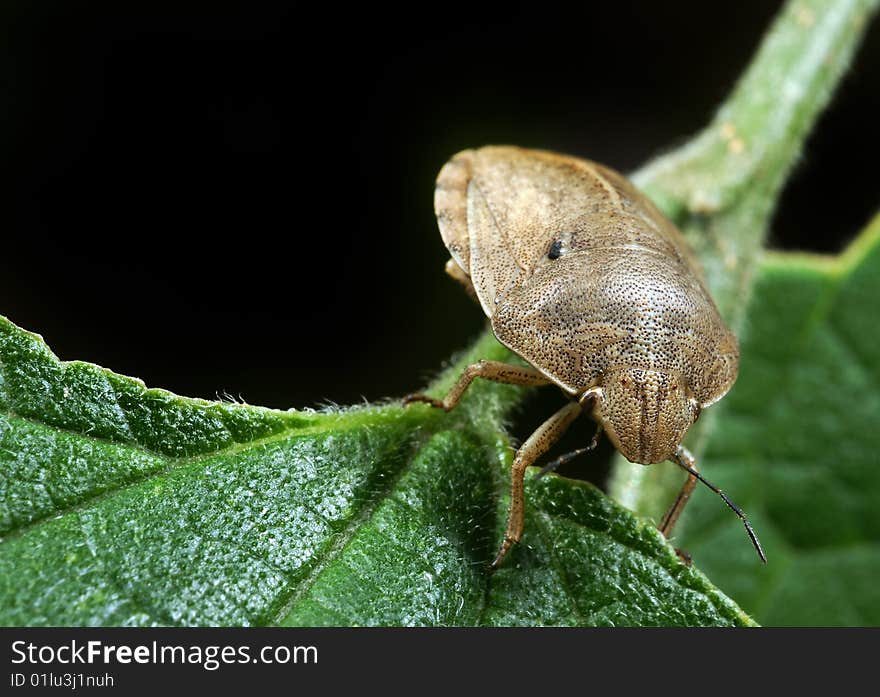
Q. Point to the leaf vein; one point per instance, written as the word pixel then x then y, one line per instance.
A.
pixel 344 538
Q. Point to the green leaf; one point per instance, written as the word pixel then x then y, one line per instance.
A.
pixel 799 445
pixel 128 506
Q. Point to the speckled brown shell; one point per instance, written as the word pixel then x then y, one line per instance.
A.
pixel 580 274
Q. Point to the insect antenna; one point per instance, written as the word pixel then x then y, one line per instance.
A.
pixel 736 509
pixel 568 457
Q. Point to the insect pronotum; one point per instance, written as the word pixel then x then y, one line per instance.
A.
pixel 597 291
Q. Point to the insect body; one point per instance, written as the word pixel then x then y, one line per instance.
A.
pixel 586 280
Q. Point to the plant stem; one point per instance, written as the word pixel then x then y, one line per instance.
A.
pixel 721 188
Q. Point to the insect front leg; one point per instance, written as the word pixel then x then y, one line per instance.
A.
pixel 686 461
pixel 568 457
pixel 536 445
pixel 671 518
pixel 488 370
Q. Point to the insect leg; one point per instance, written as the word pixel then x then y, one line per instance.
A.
pixel 456 272
pixel 671 517
pixel 536 445
pixel 568 457
pixel 488 370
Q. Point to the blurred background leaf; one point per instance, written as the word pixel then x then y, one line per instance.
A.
pixel 797 440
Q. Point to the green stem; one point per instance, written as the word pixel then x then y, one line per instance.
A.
pixel 722 187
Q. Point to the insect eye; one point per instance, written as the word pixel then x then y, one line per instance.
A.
pixel 555 249
pixel 673 388
pixel 624 382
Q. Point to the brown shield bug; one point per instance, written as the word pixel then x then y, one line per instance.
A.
pixel 597 291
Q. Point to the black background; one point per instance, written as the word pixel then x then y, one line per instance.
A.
pixel 237 197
